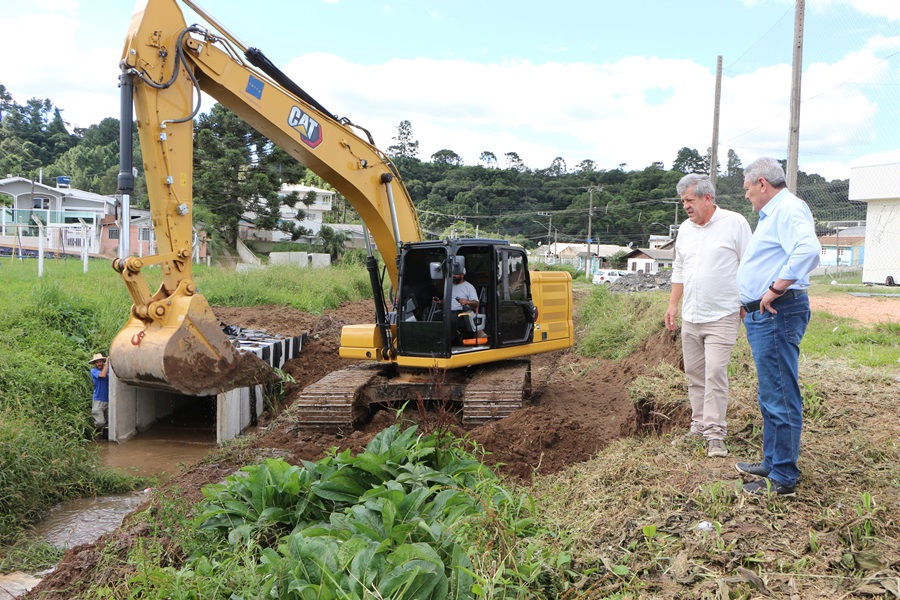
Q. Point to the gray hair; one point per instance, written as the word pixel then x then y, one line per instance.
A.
pixel 701 184
pixel 767 168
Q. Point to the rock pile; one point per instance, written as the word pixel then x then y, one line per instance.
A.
pixel 642 282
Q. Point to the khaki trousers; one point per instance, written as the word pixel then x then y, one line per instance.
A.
pixel 707 351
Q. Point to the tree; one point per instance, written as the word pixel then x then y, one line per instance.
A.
pixel 514 163
pixel 707 159
pixel 733 168
pixel 586 166
pixel 333 242
pixel 488 159
pixel 229 173
pixel 447 158
pixel 688 161
pixel 406 146
pixel 557 167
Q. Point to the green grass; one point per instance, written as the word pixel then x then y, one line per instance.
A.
pixel 876 345
pixel 613 325
pixel 49 328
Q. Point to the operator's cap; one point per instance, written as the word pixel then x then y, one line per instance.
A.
pixel 96 357
pixel 458 269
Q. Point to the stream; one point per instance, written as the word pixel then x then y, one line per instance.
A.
pixel 162 452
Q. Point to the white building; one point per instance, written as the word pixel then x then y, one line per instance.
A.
pixel 61 209
pixel 879 187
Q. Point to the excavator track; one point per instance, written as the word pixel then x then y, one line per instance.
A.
pixel 335 401
pixel 495 391
pixel 341 400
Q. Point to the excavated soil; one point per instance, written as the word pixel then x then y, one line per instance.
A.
pixel 577 407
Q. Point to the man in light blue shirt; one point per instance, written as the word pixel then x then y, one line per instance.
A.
pixel 772 281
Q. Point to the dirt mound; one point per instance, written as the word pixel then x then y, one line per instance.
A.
pixel 578 405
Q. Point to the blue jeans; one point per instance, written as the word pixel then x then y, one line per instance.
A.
pixel 775 342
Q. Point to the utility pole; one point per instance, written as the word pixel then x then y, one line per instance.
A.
pixel 549 226
pixel 714 149
pixel 796 72
pixel 589 260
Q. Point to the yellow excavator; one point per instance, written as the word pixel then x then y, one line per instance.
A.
pixel 172 339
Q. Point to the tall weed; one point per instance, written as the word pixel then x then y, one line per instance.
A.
pixel 616 324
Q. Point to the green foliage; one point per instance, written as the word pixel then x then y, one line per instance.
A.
pixel 29 554
pixel 616 324
pixel 412 517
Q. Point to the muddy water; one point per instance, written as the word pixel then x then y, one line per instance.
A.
pixel 162 452
pixel 159 452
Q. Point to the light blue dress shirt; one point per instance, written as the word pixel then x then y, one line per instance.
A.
pixel 784 246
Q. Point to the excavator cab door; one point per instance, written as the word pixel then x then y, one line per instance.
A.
pixel 421 327
pixel 515 313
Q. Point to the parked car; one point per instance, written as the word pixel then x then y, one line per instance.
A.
pixel 607 275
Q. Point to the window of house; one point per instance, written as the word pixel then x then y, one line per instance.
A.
pixel 840 252
pixel 144 234
pixel 113 233
pixel 41 202
pixel 824 250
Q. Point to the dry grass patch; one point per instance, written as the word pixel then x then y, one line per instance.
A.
pixel 663 520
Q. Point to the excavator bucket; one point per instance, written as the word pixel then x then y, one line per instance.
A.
pixel 184 352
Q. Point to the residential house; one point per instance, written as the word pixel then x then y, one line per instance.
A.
pixel 71 218
pixel 879 187
pixel 576 255
pixel 844 248
pixel 646 260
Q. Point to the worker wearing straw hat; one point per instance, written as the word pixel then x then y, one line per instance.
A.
pixel 100 401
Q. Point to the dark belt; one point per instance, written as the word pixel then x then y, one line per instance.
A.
pixel 754 306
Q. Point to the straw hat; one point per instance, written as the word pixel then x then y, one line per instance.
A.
pixel 97 357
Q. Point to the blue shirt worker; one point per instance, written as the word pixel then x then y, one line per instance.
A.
pixel 100 401
pixel 772 282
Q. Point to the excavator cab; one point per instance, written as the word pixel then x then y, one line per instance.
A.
pixel 428 326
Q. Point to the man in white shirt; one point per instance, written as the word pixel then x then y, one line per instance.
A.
pixel 708 251
pixel 463 297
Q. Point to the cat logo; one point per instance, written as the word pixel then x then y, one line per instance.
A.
pixel 306 126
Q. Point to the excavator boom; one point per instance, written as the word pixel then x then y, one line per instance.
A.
pixel 172 340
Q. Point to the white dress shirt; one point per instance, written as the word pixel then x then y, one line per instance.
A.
pixel 706 262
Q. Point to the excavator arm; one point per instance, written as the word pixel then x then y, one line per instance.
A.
pixel 172 340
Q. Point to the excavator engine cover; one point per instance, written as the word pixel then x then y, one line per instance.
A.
pixel 185 352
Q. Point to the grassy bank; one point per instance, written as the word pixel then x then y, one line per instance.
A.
pixel 659 520
pixel 49 328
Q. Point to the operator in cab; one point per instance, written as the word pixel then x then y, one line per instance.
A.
pixel 464 298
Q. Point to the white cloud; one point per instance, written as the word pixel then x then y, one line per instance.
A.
pixel 878 8
pixel 82 82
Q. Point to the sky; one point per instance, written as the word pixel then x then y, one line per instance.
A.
pixel 624 84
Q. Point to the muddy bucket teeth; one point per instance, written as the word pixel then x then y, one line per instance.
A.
pixel 186 352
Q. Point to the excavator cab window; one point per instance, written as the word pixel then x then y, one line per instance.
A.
pixel 425 324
